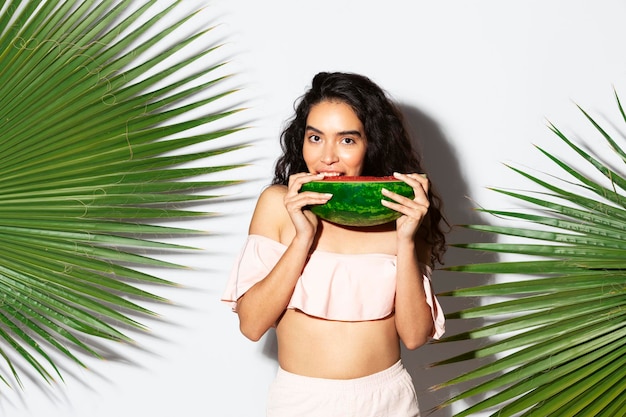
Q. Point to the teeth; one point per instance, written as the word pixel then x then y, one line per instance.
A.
pixel 331 174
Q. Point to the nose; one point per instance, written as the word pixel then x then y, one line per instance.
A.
pixel 329 154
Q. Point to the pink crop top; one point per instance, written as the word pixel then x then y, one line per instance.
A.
pixel 333 286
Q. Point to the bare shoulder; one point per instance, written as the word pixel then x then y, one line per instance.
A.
pixel 269 214
pixel 272 197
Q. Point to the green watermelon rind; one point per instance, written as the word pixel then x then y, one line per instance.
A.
pixel 357 202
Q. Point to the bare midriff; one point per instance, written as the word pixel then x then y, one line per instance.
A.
pixel 321 348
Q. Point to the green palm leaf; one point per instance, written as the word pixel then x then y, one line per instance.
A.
pixel 94 147
pixel 557 341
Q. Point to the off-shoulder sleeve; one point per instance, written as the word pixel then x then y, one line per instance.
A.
pixel 255 260
pixel 435 308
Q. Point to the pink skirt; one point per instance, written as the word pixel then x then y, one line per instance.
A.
pixel 389 393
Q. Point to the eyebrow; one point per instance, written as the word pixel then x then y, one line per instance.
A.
pixel 345 132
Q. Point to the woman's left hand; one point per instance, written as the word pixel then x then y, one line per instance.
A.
pixel 413 211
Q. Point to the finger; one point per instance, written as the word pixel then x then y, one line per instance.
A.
pixel 419 203
pixel 306 176
pixel 415 180
pixel 416 203
pixel 420 198
pixel 308 198
pixel 420 185
pixel 415 210
pixel 296 180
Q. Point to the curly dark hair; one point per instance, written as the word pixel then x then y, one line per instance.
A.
pixel 389 146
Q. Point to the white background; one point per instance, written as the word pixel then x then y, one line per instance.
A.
pixel 478 80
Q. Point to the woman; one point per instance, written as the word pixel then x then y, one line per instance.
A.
pixel 341 298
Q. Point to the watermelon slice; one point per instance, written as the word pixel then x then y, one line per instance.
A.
pixel 356 199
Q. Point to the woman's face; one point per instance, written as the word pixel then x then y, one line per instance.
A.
pixel 334 140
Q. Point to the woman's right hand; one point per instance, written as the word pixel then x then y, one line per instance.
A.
pixel 304 221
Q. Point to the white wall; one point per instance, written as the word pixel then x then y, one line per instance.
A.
pixel 478 79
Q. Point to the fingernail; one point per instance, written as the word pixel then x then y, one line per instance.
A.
pixel 424 175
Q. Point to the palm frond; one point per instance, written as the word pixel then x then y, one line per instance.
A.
pixel 556 335
pixel 95 147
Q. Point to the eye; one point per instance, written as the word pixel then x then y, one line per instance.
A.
pixel 348 141
pixel 314 138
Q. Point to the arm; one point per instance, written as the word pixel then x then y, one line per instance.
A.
pixel 277 209
pixel 414 321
